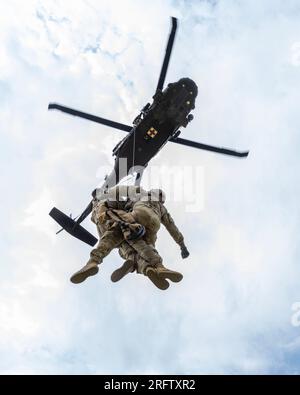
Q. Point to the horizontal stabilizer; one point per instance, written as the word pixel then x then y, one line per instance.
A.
pixel 72 227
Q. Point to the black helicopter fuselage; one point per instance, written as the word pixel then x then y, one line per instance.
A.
pixel 156 124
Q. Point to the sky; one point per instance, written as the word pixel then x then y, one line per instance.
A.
pixel 237 309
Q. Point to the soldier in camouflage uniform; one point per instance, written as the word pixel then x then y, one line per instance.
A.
pixel 148 210
pixel 111 236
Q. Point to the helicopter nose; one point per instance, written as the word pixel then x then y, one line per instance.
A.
pixel 190 85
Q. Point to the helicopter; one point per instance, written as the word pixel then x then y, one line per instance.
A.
pixel 157 124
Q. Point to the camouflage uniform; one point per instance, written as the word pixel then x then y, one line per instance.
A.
pixel 146 212
pixel 150 213
pixel 147 209
pixel 131 251
pixel 157 273
pixel 111 236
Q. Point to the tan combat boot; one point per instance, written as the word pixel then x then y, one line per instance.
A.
pixel 159 282
pixel 90 269
pixel 127 267
pixel 165 273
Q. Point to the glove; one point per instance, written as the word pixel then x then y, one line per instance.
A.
pixel 184 252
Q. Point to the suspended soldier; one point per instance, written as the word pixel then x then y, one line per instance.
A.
pixel 110 236
pixel 148 209
pixel 112 231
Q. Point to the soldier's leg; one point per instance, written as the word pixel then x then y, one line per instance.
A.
pixel 124 216
pixel 127 267
pixel 138 255
pixel 165 273
pixel 129 255
pixel 144 267
pixel 149 257
pixel 145 216
pixel 146 251
pixel 109 240
pixel 134 261
pixel 147 262
pixel 126 251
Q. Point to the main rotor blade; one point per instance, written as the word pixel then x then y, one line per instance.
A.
pixel 164 68
pixel 219 150
pixel 103 121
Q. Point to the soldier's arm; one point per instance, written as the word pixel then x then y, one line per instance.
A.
pixel 171 227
